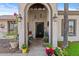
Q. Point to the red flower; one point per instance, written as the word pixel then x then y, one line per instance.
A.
pixel 49 51
pixel 29 33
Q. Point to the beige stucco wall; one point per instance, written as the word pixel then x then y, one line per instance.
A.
pixel 70 38
pixel 3 30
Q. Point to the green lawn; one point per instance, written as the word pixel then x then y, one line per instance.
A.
pixel 72 49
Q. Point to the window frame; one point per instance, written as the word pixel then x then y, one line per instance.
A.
pixel 62 27
pixel 9 25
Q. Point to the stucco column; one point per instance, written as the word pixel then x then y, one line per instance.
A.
pixel 50 31
pixel 26 28
pixel 21 31
pixel 55 33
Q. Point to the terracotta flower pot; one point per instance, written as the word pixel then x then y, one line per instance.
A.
pixel 49 51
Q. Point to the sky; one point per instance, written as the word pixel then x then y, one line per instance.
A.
pixel 72 6
pixel 11 8
pixel 8 8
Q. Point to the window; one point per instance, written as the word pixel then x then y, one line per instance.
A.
pixel 71 27
pixel 11 26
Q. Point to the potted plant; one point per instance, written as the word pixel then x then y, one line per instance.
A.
pixel 30 37
pixel 58 51
pixel 45 39
pixel 46 36
pixel 24 48
pixel 49 50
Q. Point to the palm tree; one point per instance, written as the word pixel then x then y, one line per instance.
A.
pixel 65 38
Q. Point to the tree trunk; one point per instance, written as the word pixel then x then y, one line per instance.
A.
pixel 65 38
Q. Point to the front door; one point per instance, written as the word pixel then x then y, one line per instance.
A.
pixel 39 29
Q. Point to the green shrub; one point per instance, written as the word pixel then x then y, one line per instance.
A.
pixel 58 51
pixel 65 52
pixel 24 46
pixel 11 33
pixel 49 46
pixel 46 39
pixel 30 38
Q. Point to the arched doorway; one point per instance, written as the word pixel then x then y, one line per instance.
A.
pixel 23 25
pixel 38 20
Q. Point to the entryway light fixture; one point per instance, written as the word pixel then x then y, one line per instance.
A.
pixel 55 16
pixel 20 17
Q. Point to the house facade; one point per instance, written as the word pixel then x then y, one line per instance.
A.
pixel 39 18
pixel 7 24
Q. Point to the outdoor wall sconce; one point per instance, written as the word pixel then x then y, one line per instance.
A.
pixel 41 15
pixel 55 16
pixel 35 16
pixel 20 17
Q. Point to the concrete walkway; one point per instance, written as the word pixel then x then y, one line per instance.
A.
pixel 36 48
